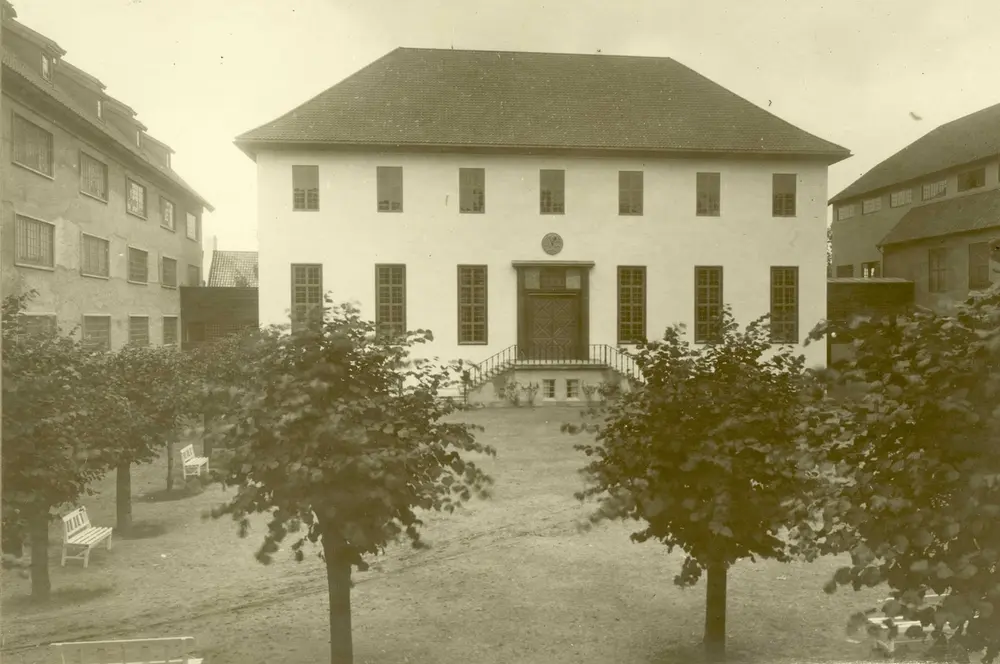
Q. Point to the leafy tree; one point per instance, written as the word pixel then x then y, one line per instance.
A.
pixel 153 389
pixel 54 415
pixel 322 437
pixel 918 507
pixel 709 454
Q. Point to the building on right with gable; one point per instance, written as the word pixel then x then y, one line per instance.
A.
pixel 927 214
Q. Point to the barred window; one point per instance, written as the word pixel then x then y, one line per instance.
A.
pixel 95 254
pixel 35 242
pixel 138 330
pixel 138 266
pixel 32 146
pixel 170 330
pixel 97 332
pixel 934 190
pixel 93 177
pixel 631 304
pixel 901 198
pixel 472 304
pixel 785 305
pixel 708 304
pixel 169 276
pixel 307 295
pixel 136 201
pixel 390 299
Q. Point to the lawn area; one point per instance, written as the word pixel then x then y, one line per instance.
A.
pixel 506 580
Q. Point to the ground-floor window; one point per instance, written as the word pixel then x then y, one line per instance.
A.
pixel 472 304
pixel 785 305
pixel 138 330
pixel 390 300
pixel 631 304
pixel 97 332
pixel 307 294
pixel 707 303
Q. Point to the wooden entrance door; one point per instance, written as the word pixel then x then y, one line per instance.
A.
pixel 553 327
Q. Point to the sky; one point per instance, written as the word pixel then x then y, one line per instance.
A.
pixel 200 72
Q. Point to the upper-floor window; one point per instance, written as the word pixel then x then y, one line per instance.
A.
pixel 167 214
pixel 552 191
pixel 168 273
pixel 630 192
pixel 46 67
pixel 305 187
pixel 972 179
pixel 138 137
pixel 709 191
pixel 472 190
pixel 937 270
pixel 93 177
pixel 100 109
pixel 193 229
pixel 901 198
pixel 32 146
pixel 35 242
pixel 194 275
pixel 934 190
pixel 390 188
pixel 870 205
pixel 979 265
pixel 846 211
pixel 783 186
pixel 871 269
pixel 138 266
pixel 136 198
pixel 94 256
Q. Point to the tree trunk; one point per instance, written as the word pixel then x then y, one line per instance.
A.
pixel 38 530
pixel 338 576
pixel 715 613
pixel 170 466
pixel 123 496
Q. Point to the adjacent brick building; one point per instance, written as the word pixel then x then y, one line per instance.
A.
pixel 93 216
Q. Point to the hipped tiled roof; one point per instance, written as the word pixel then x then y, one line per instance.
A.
pixel 492 99
pixel 968 139
pixel 233 269
pixel 961 214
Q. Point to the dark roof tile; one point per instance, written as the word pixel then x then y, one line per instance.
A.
pixel 961 214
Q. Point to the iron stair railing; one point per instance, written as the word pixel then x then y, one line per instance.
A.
pixel 597 355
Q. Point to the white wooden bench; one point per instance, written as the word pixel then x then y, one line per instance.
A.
pixel 79 534
pixel 192 464
pixel 175 650
pixel 885 643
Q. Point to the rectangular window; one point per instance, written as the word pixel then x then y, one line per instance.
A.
pixel 167 214
pixel 972 179
pixel 46 67
pixel 170 330
pixel 630 192
pixel 572 388
pixel 390 188
pixel 785 305
pixel 305 187
pixel 871 270
pixel 934 190
pixel 979 266
pixel 548 388
pixel 138 330
pixel 32 146
pixel 36 325
pixel 901 198
pixel 552 191
pixel 707 304
pixel 194 275
pixel 472 304
pixel 844 271
pixel 307 295
pixel 93 177
pixel 138 266
pixel 846 211
pixel 97 333
pixel 783 189
pixel 100 109
pixel 390 299
pixel 193 224
pixel 870 205
pixel 631 304
pixel 95 254
pixel 709 189
pixel 136 202
pixel 471 190
pixel 35 242
pixel 937 270
pixel 169 276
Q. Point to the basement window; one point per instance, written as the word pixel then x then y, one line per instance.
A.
pixel 572 388
pixel 548 388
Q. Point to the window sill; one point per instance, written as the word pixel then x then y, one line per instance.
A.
pixel 162 285
pixel 32 170
pixel 44 268
pixel 136 215
pixel 194 240
pixel 473 343
pixel 138 283
pixel 708 214
pixel 96 198
pixel 105 277
pixel 172 229
pixel 552 214
pixel 629 214
pixel 783 216
pixel 305 209
pixel 390 212
pixel 461 211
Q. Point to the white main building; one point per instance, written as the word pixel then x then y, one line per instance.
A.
pixel 546 206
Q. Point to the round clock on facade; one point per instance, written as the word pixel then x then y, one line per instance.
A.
pixel 552 244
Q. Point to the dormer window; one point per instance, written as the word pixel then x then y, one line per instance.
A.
pixel 46 67
pixel 138 137
pixel 100 109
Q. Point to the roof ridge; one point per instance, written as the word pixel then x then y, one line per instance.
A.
pixel 434 49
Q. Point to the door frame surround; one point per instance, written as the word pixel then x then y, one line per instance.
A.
pixel 582 295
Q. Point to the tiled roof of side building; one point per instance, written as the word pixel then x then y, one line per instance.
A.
pixel 233 269
pixel 490 99
pixel 961 214
pixel 14 64
pixel 971 138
